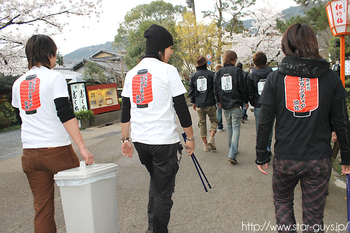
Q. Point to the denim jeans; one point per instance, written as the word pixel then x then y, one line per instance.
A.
pixel 233 119
pixel 244 112
pixel 219 117
pixel 257 118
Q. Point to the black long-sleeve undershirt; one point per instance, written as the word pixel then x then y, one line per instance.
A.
pixel 64 109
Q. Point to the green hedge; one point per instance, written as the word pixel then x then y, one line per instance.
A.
pixel 7 115
pixel 85 115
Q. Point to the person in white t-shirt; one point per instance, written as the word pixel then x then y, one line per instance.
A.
pixel 40 98
pixel 152 94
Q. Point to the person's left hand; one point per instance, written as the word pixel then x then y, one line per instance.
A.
pixel 127 149
pixel 334 137
pixel 87 156
pixel 194 107
pixel 345 169
pixel 246 105
pixel 189 147
pixel 262 170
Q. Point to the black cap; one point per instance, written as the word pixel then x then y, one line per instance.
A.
pixel 157 39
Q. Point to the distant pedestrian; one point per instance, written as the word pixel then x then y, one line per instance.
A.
pixel 231 94
pixel 153 93
pixel 307 99
pixel 201 91
pixel 255 84
pixel 336 68
pixel 40 97
pixel 219 109
pixel 244 110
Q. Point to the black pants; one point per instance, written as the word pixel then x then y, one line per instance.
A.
pixel 162 164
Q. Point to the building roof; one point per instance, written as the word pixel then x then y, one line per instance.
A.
pixel 114 61
pixel 113 53
pixel 68 73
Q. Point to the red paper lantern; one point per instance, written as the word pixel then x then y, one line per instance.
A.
pixel 30 96
pixel 142 89
pixel 301 95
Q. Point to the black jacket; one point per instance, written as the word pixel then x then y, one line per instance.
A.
pixel 307 98
pixel 255 80
pixel 230 87
pixel 201 88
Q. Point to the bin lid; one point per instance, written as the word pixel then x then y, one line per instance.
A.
pixel 84 172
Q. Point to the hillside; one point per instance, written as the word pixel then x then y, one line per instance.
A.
pixel 86 52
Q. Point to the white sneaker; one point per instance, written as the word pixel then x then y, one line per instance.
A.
pixel 211 143
pixel 206 147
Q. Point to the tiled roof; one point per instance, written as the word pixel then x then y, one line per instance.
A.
pixel 68 73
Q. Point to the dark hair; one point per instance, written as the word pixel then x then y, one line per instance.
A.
pixel 239 65
pixel 259 59
pixel 299 40
pixel 218 67
pixel 39 49
pixel 229 56
pixel 161 54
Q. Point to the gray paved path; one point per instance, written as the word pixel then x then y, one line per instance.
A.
pixel 240 200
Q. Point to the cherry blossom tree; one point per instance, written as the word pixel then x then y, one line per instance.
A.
pixel 19 19
pixel 261 36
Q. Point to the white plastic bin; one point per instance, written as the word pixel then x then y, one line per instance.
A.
pixel 89 198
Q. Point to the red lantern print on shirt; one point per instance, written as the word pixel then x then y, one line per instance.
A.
pixel 142 93
pixel 30 96
pixel 301 95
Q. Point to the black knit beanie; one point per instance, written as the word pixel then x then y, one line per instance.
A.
pixel 157 39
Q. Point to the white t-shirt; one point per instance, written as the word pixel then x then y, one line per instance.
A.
pixel 151 86
pixel 33 94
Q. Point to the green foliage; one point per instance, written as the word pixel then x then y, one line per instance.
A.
pixel 59 59
pixel 85 115
pixel 336 165
pixel 194 39
pixel 11 128
pixel 347 84
pixel 93 74
pixel 136 21
pixel 235 26
pixel 283 25
pixel 334 48
pixel 316 17
pixel 4 122
pixel 6 83
pixel 7 111
pixel 347 88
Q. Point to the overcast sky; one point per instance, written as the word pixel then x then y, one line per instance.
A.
pixel 76 36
